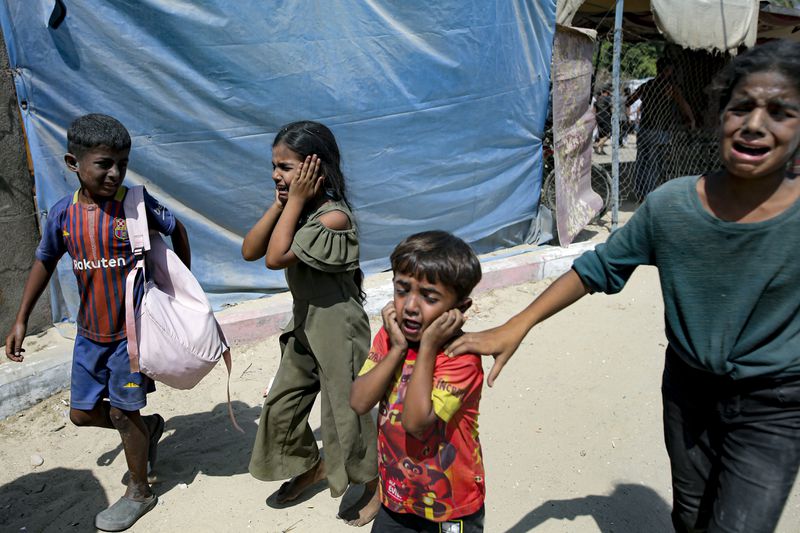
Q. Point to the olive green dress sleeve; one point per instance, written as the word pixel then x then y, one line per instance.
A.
pixel 325 249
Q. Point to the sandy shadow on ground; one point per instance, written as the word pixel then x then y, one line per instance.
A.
pixel 629 508
pixel 586 235
pixel 204 443
pixel 54 500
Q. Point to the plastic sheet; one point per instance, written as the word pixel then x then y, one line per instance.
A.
pixel 438 109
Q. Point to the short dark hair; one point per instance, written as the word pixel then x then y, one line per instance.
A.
pixel 93 130
pixel 780 55
pixel 438 257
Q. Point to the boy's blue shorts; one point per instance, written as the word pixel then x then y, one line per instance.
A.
pixel 102 370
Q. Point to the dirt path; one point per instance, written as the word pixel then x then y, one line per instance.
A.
pixel 571 436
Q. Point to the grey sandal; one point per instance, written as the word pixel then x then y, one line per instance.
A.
pixel 124 513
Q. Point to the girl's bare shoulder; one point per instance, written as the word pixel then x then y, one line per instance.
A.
pixel 335 220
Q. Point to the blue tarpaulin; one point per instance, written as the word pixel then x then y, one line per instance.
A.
pixel 438 108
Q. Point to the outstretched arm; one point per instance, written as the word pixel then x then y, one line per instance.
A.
pixel 37 281
pixel 501 342
pixel 418 413
pixel 369 388
pixel 180 244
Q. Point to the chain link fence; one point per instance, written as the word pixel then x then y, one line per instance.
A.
pixel 668 120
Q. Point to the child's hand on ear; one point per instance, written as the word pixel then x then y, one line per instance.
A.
pixel 391 326
pixel 443 329
pixel 308 182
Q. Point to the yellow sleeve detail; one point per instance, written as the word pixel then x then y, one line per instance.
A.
pixel 445 405
pixel 368 365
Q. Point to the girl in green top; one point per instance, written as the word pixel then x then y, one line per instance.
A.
pixel 309 232
pixel 726 247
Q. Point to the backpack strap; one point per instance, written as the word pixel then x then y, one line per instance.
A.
pixel 139 237
pixel 226 356
pixel 130 317
pixel 136 219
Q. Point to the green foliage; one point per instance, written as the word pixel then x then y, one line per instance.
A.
pixel 637 60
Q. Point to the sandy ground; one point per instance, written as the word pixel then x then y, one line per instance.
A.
pixel 571 437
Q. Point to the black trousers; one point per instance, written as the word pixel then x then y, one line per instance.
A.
pixel 734 448
pixel 390 522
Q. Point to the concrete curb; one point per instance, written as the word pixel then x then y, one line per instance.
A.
pixel 46 371
pixel 42 374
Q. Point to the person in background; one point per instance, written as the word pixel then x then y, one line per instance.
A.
pixel 603 113
pixel 659 97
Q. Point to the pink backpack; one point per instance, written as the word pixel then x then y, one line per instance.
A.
pixel 173 336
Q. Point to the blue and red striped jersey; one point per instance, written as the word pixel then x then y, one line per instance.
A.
pixel 96 238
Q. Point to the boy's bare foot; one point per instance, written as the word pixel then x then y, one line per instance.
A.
pixel 292 489
pixel 365 509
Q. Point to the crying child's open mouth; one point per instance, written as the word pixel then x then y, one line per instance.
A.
pixel 751 150
pixel 411 326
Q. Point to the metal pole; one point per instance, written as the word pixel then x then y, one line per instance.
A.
pixel 615 116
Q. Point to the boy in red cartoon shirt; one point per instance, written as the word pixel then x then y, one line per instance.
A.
pixel 429 455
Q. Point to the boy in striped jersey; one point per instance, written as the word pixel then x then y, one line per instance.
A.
pixel 90 226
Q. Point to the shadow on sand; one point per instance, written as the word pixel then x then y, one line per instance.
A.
pixel 203 442
pixel 630 508
pixel 52 501
pixel 207 443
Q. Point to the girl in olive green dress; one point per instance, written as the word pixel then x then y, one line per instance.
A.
pixel 309 232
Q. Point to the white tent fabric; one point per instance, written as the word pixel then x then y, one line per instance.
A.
pixel 696 24
pixel 708 24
